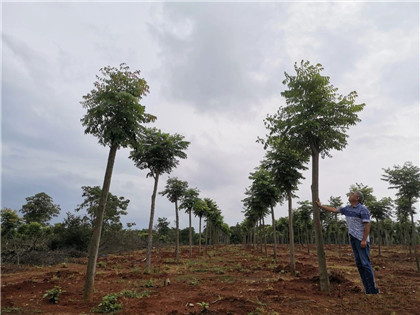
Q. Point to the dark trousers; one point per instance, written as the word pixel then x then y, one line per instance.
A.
pixel 361 257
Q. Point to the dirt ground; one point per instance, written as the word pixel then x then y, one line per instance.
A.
pixel 226 280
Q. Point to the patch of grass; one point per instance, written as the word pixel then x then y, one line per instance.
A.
pixel 145 293
pixel 129 294
pixel 227 279
pixel 219 271
pixel 10 310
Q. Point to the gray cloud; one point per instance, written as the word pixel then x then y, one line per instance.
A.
pixel 213 61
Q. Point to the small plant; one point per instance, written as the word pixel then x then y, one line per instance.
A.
pixel 52 294
pixel 102 264
pixel 377 268
pixel 55 278
pixel 149 284
pixel 297 274
pixel 193 282
pixel 64 265
pixel 204 306
pixel 109 304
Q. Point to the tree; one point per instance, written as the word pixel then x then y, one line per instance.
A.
pixel 314 122
pixel 74 233
pixel 265 193
pixel 115 207
pixel 188 201
pixel 406 179
pixel 305 209
pixel 200 210
pixel 39 208
pixel 286 165
pixel 211 215
pixel 10 222
pixel 380 210
pixel 162 229
pixel 159 153
pixel 262 195
pixel 115 116
pixel 174 190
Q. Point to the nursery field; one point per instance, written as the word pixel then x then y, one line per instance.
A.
pixel 227 280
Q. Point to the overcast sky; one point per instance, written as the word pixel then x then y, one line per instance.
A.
pixel 215 71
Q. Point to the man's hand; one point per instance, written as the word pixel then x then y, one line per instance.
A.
pixel 363 244
pixel 319 203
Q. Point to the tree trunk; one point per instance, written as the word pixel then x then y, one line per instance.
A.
pixel 291 235
pixel 307 236
pixel 199 238
pixel 150 232
pixel 265 239
pixel 414 235
pixel 379 237
pixel 97 229
pixel 273 221
pixel 337 237
pixel 176 231
pixel 190 233
pixel 324 281
pixel 207 233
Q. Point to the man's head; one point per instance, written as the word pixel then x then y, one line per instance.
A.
pixel 356 197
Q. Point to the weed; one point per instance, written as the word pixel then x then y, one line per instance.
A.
pixel 194 282
pixel 109 304
pixel 102 264
pixel 64 265
pixel 52 294
pixel 149 284
pixel 204 306
pixel 377 268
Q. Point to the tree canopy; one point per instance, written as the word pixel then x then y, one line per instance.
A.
pixel 114 209
pixel 39 208
pixel 158 152
pixel 114 113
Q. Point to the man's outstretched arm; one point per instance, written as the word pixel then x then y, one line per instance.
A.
pixel 331 209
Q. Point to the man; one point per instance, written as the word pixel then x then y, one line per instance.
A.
pixel 358 224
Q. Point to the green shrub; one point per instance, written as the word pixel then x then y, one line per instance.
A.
pixel 109 304
pixel 52 294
